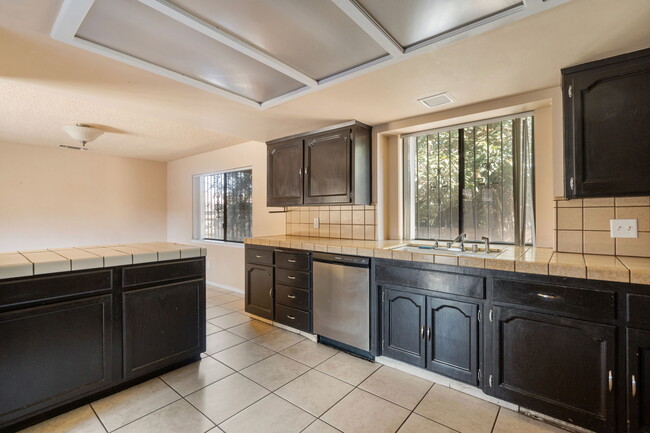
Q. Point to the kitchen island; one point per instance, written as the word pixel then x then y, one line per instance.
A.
pixel 77 324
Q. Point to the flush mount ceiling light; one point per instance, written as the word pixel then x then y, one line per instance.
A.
pixel 83 134
pixel 436 100
pixel 263 53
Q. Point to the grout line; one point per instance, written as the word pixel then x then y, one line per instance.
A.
pixel 495 420
pixel 98 418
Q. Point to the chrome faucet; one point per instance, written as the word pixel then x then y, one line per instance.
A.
pixel 487 243
pixel 460 238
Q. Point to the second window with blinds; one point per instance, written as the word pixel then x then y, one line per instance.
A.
pixel 475 179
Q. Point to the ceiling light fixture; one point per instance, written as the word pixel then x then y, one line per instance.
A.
pixel 83 134
pixel 436 100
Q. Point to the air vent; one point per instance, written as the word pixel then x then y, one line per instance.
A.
pixel 73 147
pixel 436 100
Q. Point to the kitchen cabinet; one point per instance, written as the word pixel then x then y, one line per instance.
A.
pixel 606 129
pixel 285 173
pixel 403 326
pixel 293 306
pixel 559 366
pixel 259 290
pixel 324 167
pixel 638 380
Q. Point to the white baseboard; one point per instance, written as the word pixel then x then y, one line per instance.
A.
pixel 224 287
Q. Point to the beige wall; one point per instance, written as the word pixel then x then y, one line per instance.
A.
pixel 225 261
pixel 51 197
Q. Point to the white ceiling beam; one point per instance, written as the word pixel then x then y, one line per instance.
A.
pixel 368 24
pixel 225 38
pixel 71 15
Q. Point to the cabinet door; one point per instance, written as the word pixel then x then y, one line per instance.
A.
pixel 259 290
pixel 53 354
pixel 163 325
pixel 403 326
pixel 284 174
pixel 327 166
pixel 452 339
pixel 638 380
pixel 561 367
pixel 607 134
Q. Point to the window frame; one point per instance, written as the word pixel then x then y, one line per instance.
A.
pixel 198 205
pixel 409 159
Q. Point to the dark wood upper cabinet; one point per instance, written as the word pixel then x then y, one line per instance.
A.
pixel 638 380
pixel 285 173
pixel 606 127
pixel 328 166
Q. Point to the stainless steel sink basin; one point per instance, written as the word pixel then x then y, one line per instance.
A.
pixel 456 251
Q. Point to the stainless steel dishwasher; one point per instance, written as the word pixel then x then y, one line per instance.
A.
pixel 341 299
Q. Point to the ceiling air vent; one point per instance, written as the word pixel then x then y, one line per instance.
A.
pixel 436 100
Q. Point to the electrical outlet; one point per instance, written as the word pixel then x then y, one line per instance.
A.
pixel 316 223
pixel 623 228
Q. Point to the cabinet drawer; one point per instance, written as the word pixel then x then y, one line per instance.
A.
pixel 594 304
pixel 264 257
pixel 444 282
pixel 298 261
pixel 292 317
pixel 159 272
pixel 292 297
pixel 637 309
pixel 292 278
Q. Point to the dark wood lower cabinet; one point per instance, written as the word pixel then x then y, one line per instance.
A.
pixel 259 290
pixel 163 325
pixel 638 380
pixel 403 326
pixel 558 366
pixel 53 354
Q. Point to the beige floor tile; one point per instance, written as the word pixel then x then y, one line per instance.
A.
pixel 223 399
pixel 126 406
pixel 348 368
pixel 419 424
pixel 211 329
pixel 396 386
pixel 216 311
pixel 224 299
pixel 457 410
pixel 230 320
pixel 310 353
pixel 193 377
pixel 274 371
pixel 319 426
pixel 269 415
pixel 237 305
pixel 301 392
pixel 252 329
pixel 509 421
pixel 80 420
pixel 243 355
pixel 179 416
pixel 362 412
pixel 220 341
pixel 279 339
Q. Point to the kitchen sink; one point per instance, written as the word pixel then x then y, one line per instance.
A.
pixel 456 251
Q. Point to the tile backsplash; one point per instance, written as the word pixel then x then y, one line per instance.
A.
pixel 582 225
pixel 338 222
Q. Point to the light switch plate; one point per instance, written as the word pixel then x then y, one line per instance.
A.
pixel 316 223
pixel 623 228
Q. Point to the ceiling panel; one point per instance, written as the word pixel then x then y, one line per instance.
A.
pixel 132 28
pixel 410 22
pixel 313 36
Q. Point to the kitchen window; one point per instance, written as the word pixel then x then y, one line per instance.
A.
pixel 223 205
pixel 475 179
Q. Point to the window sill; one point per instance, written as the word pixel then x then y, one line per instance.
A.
pixel 217 243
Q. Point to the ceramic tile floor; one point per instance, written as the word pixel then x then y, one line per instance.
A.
pixel 258 378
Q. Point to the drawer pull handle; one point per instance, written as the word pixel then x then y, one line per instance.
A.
pixel 633 386
pixel 291 297
pixel 422 331
pixel 428 333
pixel 291 261
pixel 291 277
pixel 610 380
pixel 545 296
pixel 291 317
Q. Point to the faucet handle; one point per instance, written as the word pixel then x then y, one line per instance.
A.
pixel 485 238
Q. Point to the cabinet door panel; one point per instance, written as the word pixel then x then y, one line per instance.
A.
pixel 162 325
pixel 403 323
pixel 284 177
pixel 53 354
pixel 556 366
pixel 638 395
pixel 453 346
pixel 259 290
pixel 328 170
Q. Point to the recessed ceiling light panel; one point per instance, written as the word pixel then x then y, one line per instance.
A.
pixel 436 100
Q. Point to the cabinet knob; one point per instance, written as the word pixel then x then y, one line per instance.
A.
pixel 633 386
pixel 291 261
pixel 610 380
pixel 422 331
pixel 545 296
pixel 291 277
pixel 258 256
pixel 291 297
pixel 291 317
pixel 428 333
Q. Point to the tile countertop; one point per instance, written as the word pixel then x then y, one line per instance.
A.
pixel 543 261
pixel 27 263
